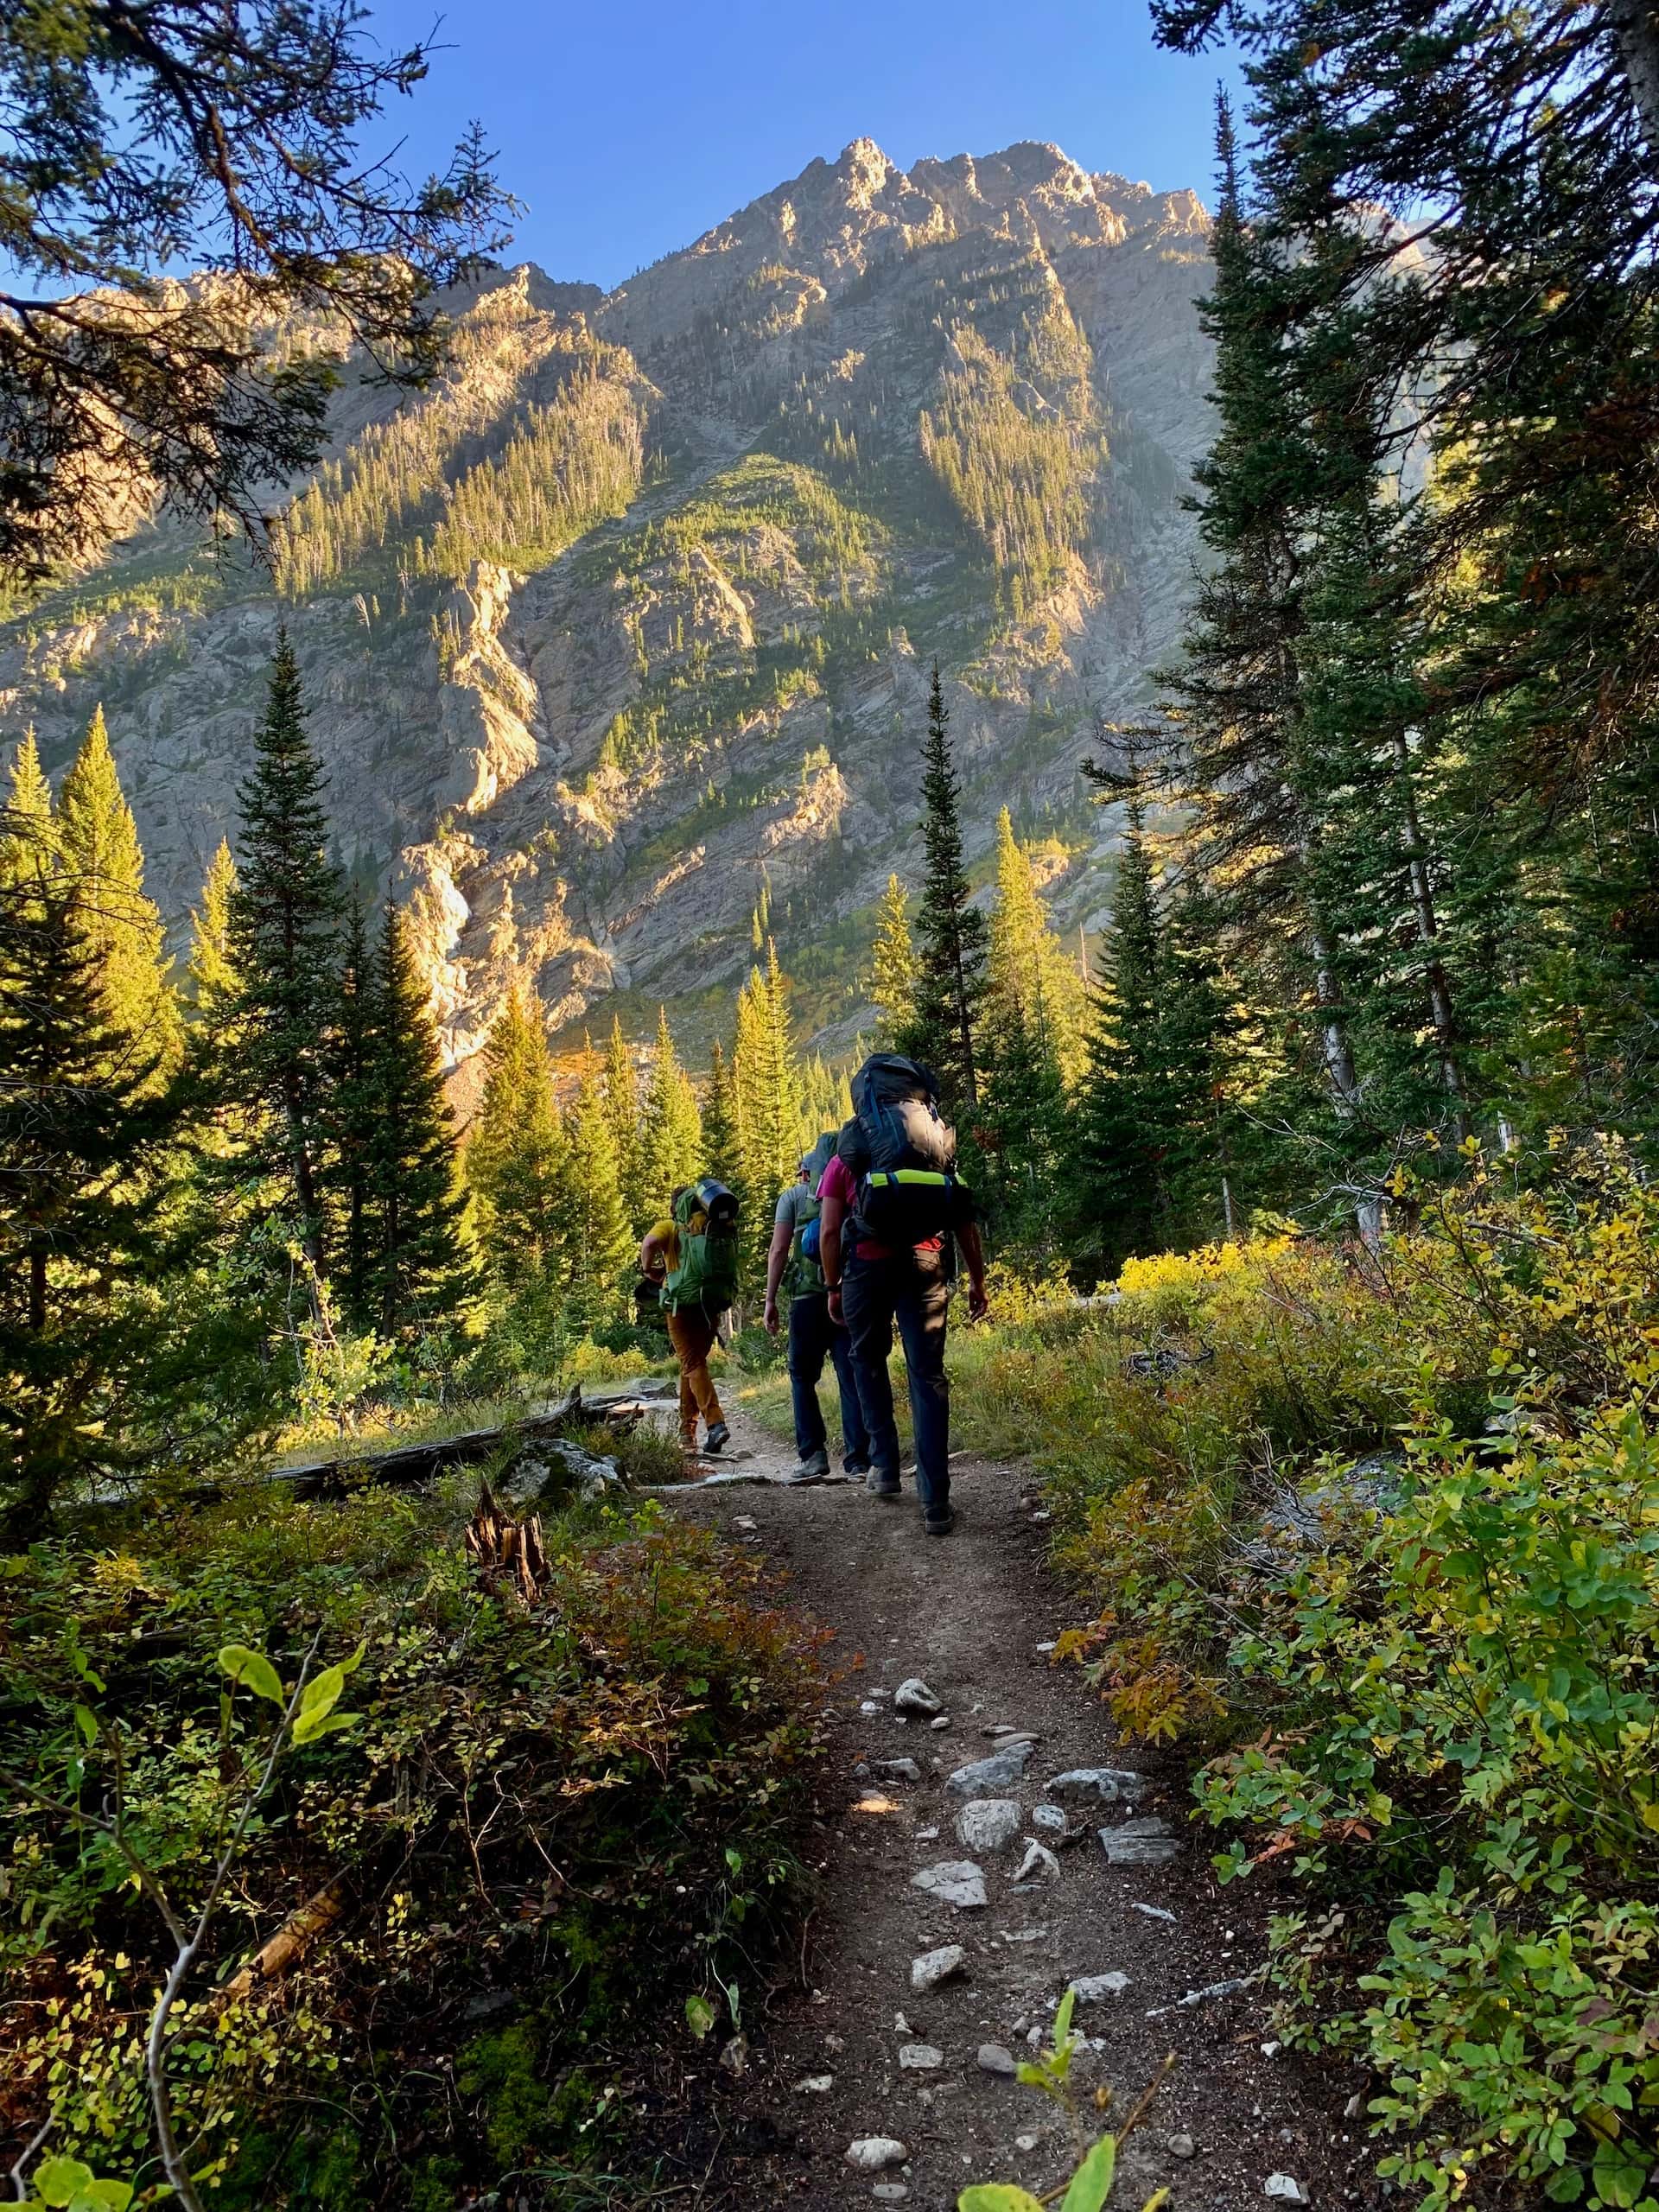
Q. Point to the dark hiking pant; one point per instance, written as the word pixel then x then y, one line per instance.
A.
pixel 812 1334
pixel 912 1291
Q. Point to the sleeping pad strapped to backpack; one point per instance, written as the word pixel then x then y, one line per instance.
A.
pixel 710 1252
pixel 903 1155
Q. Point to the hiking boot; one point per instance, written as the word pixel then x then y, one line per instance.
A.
pixel 938 1519
pixel 855 1466
pixel 881 1486
pixel 813 1469
pixel 718 1438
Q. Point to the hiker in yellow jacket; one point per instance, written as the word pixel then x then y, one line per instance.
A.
pixel 693 1317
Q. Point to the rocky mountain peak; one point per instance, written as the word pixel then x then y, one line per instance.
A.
pixel 617 638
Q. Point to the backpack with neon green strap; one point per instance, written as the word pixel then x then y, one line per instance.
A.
pixel 710 1252
pixel 904 1154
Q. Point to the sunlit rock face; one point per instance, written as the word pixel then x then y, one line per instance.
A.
pixel 616 640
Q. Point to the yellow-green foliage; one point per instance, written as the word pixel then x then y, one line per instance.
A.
pixel 1017 462
pixel 1388 1524
pixel 567 466
pixel 559 467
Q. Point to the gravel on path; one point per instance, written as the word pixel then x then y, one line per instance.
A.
pixel 973 1617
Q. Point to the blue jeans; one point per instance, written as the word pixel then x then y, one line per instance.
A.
pixel 812 1334
pixel 914 1291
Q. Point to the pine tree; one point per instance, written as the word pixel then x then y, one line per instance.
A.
pixel 349 1119
pixel 98 840
pixel 82 1261
pixel 418 1271
pixel 621 1097
pixel 1158 1131
pixel 1030 977
pixel 723 1142
pixel 671 1143
pixel 516 1158
pixel 27 829
pixel 1122 1201
pixel 284 914
pixel 951 970
pixel 768 1096
pixel 212 983
pixel 1256 774
pixel 894 970
pixel 600 1251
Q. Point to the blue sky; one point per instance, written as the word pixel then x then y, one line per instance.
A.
pixel 629 128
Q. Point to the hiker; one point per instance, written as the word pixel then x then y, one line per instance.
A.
pixel 794 1262
pixel 694 1255
pixel 891 1207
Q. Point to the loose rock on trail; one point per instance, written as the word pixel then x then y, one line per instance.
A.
pixel 940 1945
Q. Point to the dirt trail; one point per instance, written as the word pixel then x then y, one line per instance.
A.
pixel 971 1614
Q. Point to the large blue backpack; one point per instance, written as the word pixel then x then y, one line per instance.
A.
pixel 903 1152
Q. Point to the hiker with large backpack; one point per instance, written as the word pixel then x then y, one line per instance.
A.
pixel 794 1264
pixel 695 1254
pixel 893 1207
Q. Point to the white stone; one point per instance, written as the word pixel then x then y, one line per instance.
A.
pixel 942 1721
pixel 870 2154
pixel 953 1881
pixel 1138 1843
pixel 906 1769
pixel 920 2059
pixel 932 1967
pixel 1181 2146
pixel 914 1696
pixel 984 1777
pixel 1106 1784
pixel 890 2192
pixel 1095 1988
pixel 1025 2142
pixel 996 2058
pixel 989 1823
pixel 1052 1819
pixel 815 2085
pixel 1285 2188
pixel 1155 1911
pixel 1038 1865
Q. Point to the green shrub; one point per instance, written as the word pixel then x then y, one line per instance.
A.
pixel 582 1805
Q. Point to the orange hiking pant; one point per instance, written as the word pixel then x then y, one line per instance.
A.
pixel 691 1332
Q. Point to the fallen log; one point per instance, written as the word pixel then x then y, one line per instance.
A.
pixel 288 1946
pixel 406 1466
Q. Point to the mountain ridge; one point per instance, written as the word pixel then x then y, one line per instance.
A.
pixel 616 638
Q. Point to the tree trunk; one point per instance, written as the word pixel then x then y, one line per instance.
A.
pixel 1635 27
pixel 1333 1033
pixel 1428 933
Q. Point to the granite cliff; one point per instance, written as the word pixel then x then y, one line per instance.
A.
pixel 617 636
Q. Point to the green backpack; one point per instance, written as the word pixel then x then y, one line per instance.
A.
pixel 710 1252
pixel 804 1277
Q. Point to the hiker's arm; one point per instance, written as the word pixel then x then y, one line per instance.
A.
pixel 973 1253
pixel 831 1213
pixel 777 1252
pixel 652 1257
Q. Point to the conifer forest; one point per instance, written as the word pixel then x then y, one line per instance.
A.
pixel 1229 764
